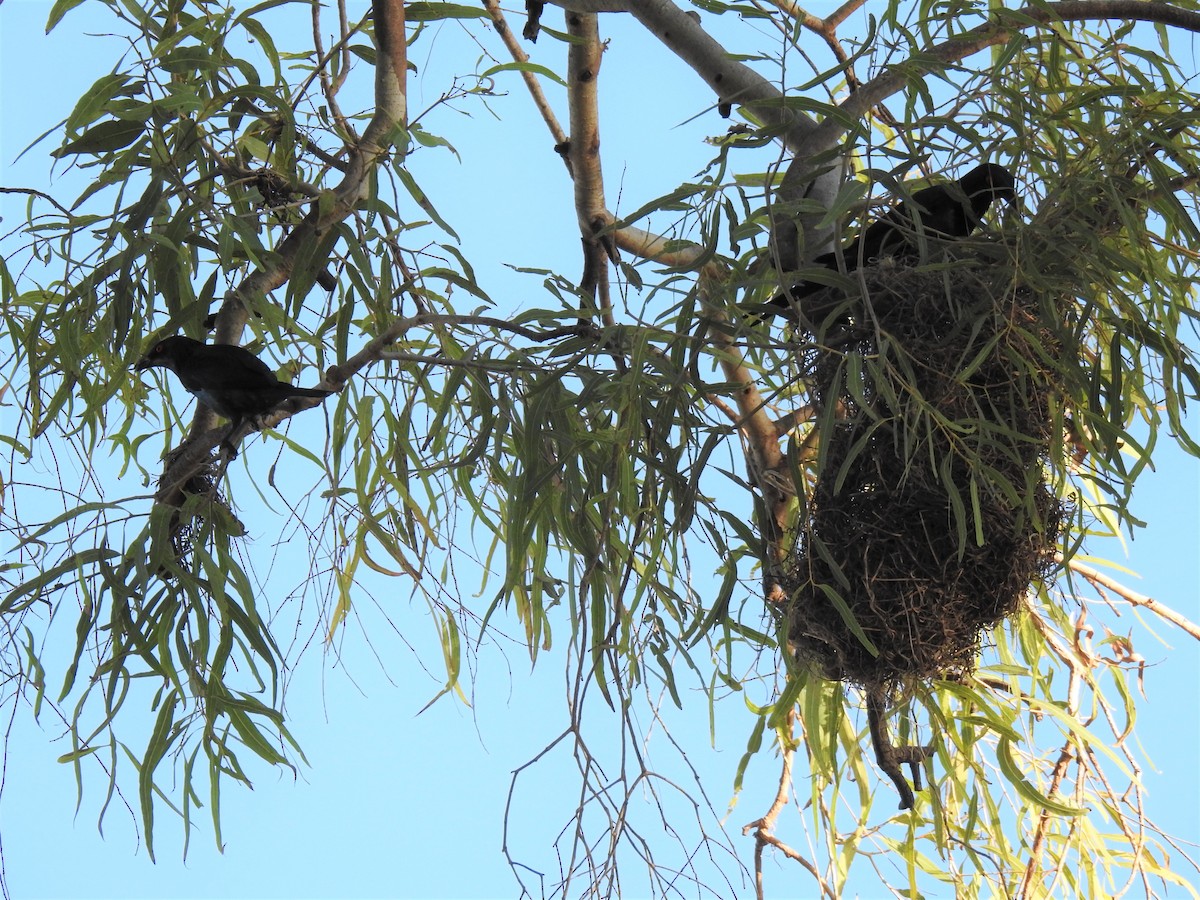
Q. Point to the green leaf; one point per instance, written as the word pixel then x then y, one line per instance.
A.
pixel 428 12
pixel 1018 780
pixel 848 617
pixel 76 755
pixel 252 736
pixel 58 10
pixel 425 139
pixel 532 68
pixel 423 201
pixel 49 578
pixel 105 137
pixel 156 749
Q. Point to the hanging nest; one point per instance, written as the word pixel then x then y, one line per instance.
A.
pixel 930 515
pixel 203 506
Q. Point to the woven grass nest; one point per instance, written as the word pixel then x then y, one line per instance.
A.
pixel 930 515
pixel 203 503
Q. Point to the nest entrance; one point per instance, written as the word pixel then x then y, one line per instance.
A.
pixel 930 515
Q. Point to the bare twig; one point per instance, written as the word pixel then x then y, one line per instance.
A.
pixel 1033 867
pixel 330 88
pixel 1099 579
pixel 531 81
pixel 1065 756
pixel 763 828
pixel 34 193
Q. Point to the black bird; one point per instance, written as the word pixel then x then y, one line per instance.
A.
pixel 943 212
pixel 229 380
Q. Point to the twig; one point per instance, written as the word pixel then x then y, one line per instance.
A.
pixel 62 209
pixel 762 828
pixel 1032 869
pixel 329 88
pixel 1099 579
pixel 531 82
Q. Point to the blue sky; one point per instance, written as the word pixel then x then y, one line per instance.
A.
pixel 400 804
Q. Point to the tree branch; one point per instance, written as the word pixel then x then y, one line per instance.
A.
pixel 41 194
pixel 763 828
pixel 330 88
pixel 731 81
pixel 594 6
pixel 583 71
pixel 817 145
pixel 735 82
pixel 890 757
pixel 1006 23
pixel 1099 579
pixel 631 239
pixel 531 80
pixel 768 468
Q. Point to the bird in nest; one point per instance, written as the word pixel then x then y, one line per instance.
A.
pixel 950 211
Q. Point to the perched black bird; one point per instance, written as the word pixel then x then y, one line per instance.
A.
pixel 942 212
pixel 229 380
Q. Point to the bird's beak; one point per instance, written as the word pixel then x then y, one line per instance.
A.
pixel 142 364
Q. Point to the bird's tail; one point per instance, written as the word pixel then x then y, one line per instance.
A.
pixel 308 392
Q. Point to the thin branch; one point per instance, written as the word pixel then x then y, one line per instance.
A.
pixel 328 87
pixel 1099 579
pixel 44 196
pixel 826 29
pixel 631 239
pixel 763 828
pixel 342 47
pixel 843 12
pixel 390 110
pixel 1003 26
pixel 890 757
pixel 377 348
pixel 732 81
pixel 765 459
pixel 476 365
pixel 512 785
pixel 531 80
pixel 1033 867
pixel 196 450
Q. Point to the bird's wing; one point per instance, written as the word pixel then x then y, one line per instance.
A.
pixel 243 402
pixel 224 367
pixel 944 212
